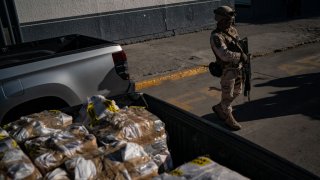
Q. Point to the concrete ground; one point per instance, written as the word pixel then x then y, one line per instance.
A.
pixel 283 115
pixel 158 61
pixel 160 57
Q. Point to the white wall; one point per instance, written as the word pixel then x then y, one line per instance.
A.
pixel 37 10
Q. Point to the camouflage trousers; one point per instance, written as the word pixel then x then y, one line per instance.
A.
pixel 231 87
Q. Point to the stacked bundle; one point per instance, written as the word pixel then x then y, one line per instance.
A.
pixel 49 152
pixel 113 126
pixel 14 164
pixel 126 161
pixel 133 142
pixel 38 124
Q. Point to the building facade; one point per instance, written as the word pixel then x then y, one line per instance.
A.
pixel 123 21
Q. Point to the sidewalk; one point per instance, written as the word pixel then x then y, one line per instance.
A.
pixel 188 54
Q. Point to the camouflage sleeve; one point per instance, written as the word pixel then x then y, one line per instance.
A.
pixel 219 47
pixel 236 33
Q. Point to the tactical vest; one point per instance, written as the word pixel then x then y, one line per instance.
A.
pixel 231 45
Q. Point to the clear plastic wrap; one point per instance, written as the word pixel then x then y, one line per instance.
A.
pixel 82 168
pixel 51 151
pixel 129 161
pixel 124 161
pixel 141 168
pixel 14 164
pixel 57 174
pixel 202 168
pixel 133 139
pixel 3 134
pixel 112 125
pixel 18 166
pixel 88 165
pixel 154 139
pixel 38 124
pixel 95 109
pixel 49 161
pixel 136 124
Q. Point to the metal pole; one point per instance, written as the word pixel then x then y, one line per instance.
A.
pixel 3 41
pixel 7 16
pixel 15 20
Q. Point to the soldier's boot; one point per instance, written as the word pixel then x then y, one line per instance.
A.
pixel 219 112
pixel 232 123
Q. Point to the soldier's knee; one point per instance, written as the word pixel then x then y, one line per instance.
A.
pixel 235 95
pixel 237 92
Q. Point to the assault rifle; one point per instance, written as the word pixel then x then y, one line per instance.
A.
pixel 246 67
pixel 246 70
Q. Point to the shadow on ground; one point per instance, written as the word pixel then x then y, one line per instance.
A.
pixel 301 95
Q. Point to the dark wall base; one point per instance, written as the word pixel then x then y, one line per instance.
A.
pixel 277 10
pixel 131 26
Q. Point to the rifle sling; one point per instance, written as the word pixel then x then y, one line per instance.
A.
pixel 235 40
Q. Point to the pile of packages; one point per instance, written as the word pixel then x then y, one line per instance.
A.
pixel 113 127
pixel 103 142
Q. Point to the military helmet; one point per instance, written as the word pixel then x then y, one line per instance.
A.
pixel 224 12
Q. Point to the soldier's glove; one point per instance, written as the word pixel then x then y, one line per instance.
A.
pixel 243 57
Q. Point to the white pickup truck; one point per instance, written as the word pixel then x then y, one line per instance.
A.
pixel 59 72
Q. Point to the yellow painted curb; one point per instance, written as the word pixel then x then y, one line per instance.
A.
pixel 173 76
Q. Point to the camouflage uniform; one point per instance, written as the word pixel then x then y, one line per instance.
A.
pixel 229 56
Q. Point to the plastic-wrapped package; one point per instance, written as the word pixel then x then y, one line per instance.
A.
pixel 129 161
pixel 158 151
pixel 77 129
pixel 38 124
pixel 70 145
pixel 3 134
pixel 50 152
pixel 100 114
pixel 135 124
pixel 115 170
pixel 82 168
pixel 48 161
pixel 18 165
pixel 95 109
pixel 124 161
pixel 141 168
pixel 57 174
pixel 37 146
pixel 203 168
pixel 88 165
pixel 154 139
pixel 125 151
pixel 14 164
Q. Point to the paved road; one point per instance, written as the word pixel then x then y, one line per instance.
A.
pixel 283 115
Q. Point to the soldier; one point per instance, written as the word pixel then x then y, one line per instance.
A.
pixel 224 45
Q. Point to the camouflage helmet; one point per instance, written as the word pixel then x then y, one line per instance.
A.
pixel 224 12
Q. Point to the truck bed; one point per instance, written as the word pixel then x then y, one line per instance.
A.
pixel 191 136
pixel 48 48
